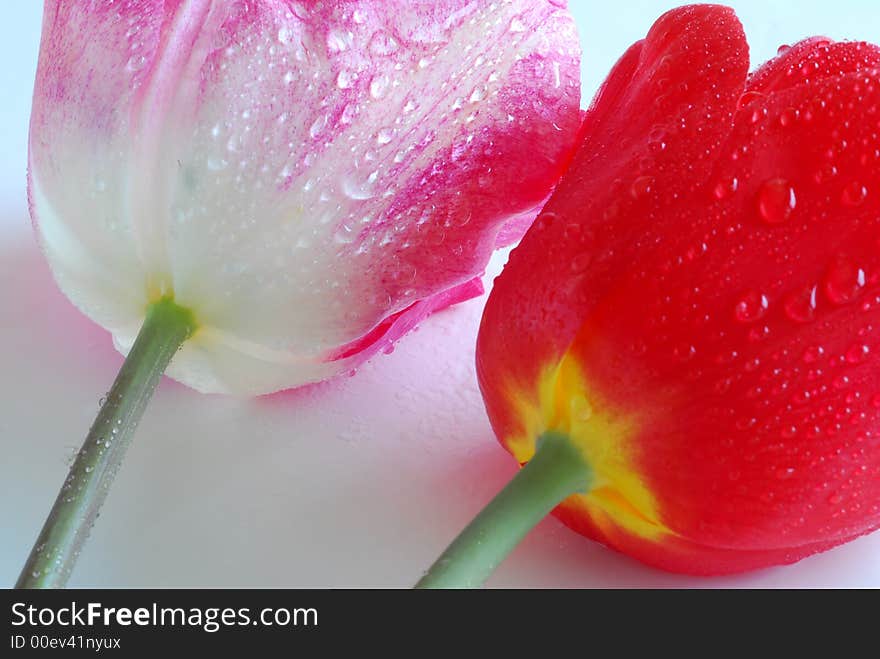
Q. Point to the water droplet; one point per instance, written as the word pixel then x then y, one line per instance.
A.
pixel 825 173
pixel 800 306
pixel 854 194
pixel 747 98
pixel 384 136
pixel 784 472
pixel 857 353
pixel 776 201
pixel 759 333
pixel 787 117
pixel 840 382
pixel 344 79
pixel 725 187
pixel 379 86
pixel 813 354
pixel 337 41
pixel 757 115
pixel 359 189
pixel 657 139
pixel 751 307
pixel 684 352
pixel 136 63
pixel 344 234
pixel 348 113
pixel 746 422
pixel 318 126
pixel 641 186
pixel 383 43
pixel 844 281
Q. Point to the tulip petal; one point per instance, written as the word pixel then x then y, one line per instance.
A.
pixel 634 147
pixel 810 61
pixel 295 173
pixel 703 323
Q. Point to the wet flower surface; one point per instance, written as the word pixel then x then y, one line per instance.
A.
pixel 310 179
pixel 697 306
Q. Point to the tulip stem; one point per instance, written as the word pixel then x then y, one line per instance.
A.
pixel 78 504
pixel 556 471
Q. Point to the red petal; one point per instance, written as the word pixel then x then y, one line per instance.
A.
pixel 724 296
pixel 648 119
pixel 810 61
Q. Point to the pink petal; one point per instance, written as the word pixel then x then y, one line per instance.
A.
pixel 296 173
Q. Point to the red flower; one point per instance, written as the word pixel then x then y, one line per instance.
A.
pixel 698 307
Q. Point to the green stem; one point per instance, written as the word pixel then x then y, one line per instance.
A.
pixel 54 554
pixel 556 471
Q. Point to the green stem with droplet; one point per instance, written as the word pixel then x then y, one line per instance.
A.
pixel 54 554
pixel 556 471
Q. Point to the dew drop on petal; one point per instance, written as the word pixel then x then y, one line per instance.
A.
pixel 318 126
pixel 776 201
pixel 800 306
pixel 747 98
pixel 383 43
pixel 844 281
pixel 813 354
pixel 783 473
pixel 751 307
pixel 641 186
pixel 854 194
pixel 726 187
pixel 344 79
pixel 516 25
pixel 787 117
pixel 857 353
pixel 379 86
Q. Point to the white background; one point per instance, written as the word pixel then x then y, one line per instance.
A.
pixel 360 482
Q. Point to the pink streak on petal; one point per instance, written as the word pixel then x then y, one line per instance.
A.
pixel 304 175
pixel 394 327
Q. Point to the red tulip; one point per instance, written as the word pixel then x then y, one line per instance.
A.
pixel 698 307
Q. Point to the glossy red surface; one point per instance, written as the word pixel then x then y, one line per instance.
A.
pixel 711 260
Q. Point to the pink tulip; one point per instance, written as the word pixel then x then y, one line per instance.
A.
pixel 310 179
